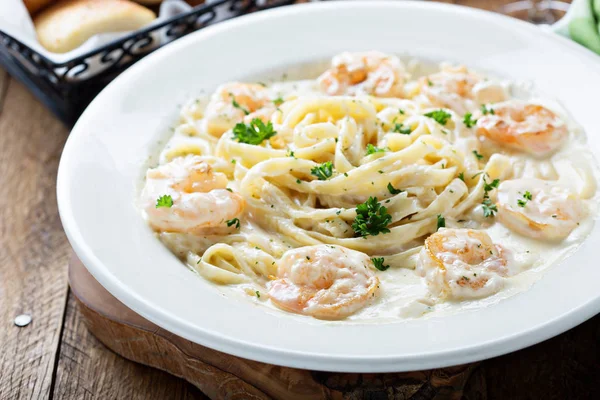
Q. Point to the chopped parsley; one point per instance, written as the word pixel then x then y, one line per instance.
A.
pixel 401 111
pixel 526 197
pixel 461 176
pixel 323 171
pixel 488 187
pixel 371 218
pixel 441 222
pixel 164 201
pixel 479 156
pixel 258 294
pixel 485 110
pixel 290 153
pixel 440 116
pixel 254 133
pixel 399 128
pixel 378 263
pixel 237 105
pixel 392 189
pixel 429 83
pixel 489 208
pixel 372 149
pixel 469 121
pixel 234 221
pixel 278 101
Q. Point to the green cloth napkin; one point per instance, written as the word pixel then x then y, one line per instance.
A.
pixel 582 24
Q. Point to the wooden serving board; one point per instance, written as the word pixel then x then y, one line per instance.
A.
pixel 222 376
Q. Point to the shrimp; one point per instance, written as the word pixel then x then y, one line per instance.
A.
pixel 462 263
pixel 539 209
pixel 530 128
pixel 371 73
pixel 324 281
pixel 236 102
pixel 199 197
pixel 459 89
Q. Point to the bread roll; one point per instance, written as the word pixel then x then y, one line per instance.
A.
pixel 35 5
pixel 67 24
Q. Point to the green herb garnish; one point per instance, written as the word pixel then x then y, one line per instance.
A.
pixel 461 176
pixel 399 128
pixel 278 101
pixel 469 121
pixel 486 111
pixel 489 208
pixel 234 221
pixel 441 222
pixel 392 189
pixel 378 263
pixel 323 171
pixel 371 218
pixel 526 197
pixel 237 105
pixel 164 201
pixel 254 133
pixel 479 156
pixel 440 116
pixel 372 149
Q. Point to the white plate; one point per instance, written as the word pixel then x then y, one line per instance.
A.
pixel 101 165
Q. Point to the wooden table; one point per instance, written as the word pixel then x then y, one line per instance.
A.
pixel 56 357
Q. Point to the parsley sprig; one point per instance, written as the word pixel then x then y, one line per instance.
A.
pixel 372 149
pixel 440 116
pixel 164 201
pixel 378 263
pixel 489 208
pixel 253 133
pixel 469 121
pixel 323 171
pixel 371 218
pixel 237 105
pixel 400 128
pixel 441 222
pixel 526 197
pixel 485 110
pixel 278 101
pixel 476 153
pixel 235 221
pixel 392 189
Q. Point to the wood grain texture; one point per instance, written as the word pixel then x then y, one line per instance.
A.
pixel 222 376
pixel 33 248
pixel 88 370
pixel 37 361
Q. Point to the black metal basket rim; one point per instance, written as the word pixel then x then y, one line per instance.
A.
pixel 118 41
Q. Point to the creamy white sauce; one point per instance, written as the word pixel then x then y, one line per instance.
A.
pixel 403 294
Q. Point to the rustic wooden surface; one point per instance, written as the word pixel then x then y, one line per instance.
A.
pixel 221 376
pixel 56 357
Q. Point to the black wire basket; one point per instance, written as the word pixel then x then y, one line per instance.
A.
pixel 68 87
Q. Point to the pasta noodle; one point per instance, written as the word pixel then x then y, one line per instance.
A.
pixel 364 134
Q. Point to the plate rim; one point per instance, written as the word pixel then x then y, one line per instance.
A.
pixel 286 357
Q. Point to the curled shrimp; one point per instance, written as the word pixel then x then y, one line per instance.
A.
pixel 526 127
pixel 457 88
pixel 371 73
pixel 198 195
pixel 538 209
pixel 235 102
pixel 324 281
pixel 462 263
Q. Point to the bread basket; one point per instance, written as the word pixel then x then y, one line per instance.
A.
pixel 67 87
